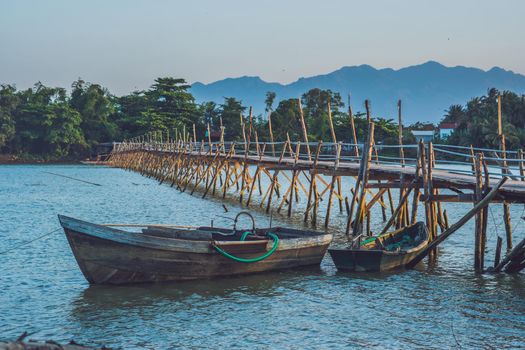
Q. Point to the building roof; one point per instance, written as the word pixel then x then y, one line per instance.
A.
pixel 423 132
pixel 448 125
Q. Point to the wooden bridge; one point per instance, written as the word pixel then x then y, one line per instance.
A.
pixel 303 178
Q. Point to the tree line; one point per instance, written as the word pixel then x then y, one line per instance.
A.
pixel 477 122
pixel 50 123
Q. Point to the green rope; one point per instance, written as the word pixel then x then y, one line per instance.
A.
pixel 252 260
pixel 244 235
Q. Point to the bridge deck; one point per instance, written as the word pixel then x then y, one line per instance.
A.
pixel 512 191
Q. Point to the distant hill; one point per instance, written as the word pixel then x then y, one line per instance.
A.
pixel 426 89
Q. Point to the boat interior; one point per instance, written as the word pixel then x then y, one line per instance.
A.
pixel 399 240
pixel 222 234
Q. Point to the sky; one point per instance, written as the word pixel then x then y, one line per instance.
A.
pixel 125 44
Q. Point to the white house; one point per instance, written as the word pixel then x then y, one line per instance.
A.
pixel 425 135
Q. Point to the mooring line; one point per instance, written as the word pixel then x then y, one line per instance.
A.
pixel 28 242
pixel 72 178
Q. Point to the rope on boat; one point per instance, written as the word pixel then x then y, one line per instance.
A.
pixel 251 260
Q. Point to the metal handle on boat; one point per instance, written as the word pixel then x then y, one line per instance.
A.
pixel 237 219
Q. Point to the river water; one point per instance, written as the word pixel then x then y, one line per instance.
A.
pixel 42 291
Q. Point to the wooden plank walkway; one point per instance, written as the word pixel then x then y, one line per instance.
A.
pixel 513 191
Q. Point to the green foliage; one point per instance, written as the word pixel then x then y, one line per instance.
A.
pixel 286 120
pixel 231 112
pixel 8 103
pixel 315 107
pixel 95 105
pixel 129 113
pixel 46 124
pixel 478 121
pixel 169 106
pixel 270 98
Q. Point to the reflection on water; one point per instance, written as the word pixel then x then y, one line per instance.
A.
pixel 441 306
pixel 116 297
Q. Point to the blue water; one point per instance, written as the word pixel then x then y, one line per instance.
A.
pixel 42 291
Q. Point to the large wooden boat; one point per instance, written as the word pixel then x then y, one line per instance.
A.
pixel 156 254
pixel 389 251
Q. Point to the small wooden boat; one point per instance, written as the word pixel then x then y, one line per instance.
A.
pixel 156 254
pixel 389 251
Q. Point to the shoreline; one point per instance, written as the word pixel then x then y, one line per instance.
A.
pixel 9 159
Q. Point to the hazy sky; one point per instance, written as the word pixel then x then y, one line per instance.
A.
pixel 125 44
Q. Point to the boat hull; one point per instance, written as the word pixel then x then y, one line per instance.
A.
pixel 373 258
pixel 369 260
pixel 111 261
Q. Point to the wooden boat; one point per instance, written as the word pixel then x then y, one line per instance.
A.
pixel 389 251
pixel 156 254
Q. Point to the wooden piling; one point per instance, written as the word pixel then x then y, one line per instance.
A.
pixel 442 237
pixel 478 233
pixel 271 132
pixel 508 225
pixel 521 160
pixel 313 177
pixel 497 256
pixel 303 127
pixel 400 132
pixel 354 134
pixel 363 172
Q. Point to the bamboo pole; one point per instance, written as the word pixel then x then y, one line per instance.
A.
pixel 289 144
pixel 516 251
pixel 354 133
pixel 508 225
pixel 271 132
pixel 209 136
pixel 396 213
pixel 243 132
pixel 332 185
pixel 221 142
pixel 481 204
pixel 426 193
pixel 500 124
pixel 520 157
pixel 367 107
pixel 478 245
pixel 473 159
pixel 400 131
pixel 257 147
pixel 292 182
pixel 250 124
pixel 337 179
pixel 503 147
pixel 303 126
pixel 365 164
pixel 194 134
pixel 257 171
pixel 497 256
pixel 504 171
pixel 274 180
pixel 313 177
pixel 432 203
pixel 331 124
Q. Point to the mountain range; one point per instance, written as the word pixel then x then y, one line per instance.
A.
pixel 426 89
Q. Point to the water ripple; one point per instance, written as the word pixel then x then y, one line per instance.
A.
pixel 43 291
